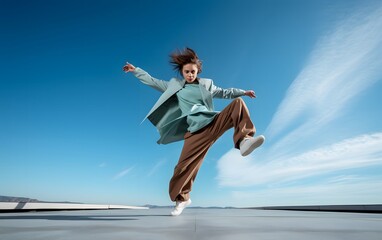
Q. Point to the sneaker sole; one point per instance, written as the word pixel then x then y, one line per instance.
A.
pixel 257 144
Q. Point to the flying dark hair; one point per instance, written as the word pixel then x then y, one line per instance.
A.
pixel 181 58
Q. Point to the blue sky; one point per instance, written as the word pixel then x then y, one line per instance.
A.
pixel 70 119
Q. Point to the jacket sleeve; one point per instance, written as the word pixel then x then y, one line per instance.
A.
pixel 145 78
pixel 218 92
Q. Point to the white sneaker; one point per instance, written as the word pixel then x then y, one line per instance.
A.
pixel 179 207
pixel 247 145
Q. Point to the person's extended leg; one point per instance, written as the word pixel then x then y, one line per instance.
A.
pixel 194 150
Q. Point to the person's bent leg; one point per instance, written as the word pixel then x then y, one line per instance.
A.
pixel 235 115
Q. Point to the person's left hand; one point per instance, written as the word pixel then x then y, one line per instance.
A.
pixel 250 93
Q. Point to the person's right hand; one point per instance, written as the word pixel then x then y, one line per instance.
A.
pixel 128 67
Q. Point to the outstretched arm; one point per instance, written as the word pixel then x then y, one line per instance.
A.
pixel 218 92
pixel 145 78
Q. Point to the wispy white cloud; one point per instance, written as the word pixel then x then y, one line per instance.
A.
pixel 122 173
pixel 102 165
pixel 361 151
pixel 343 64
pixel 156 167
pixel 353 190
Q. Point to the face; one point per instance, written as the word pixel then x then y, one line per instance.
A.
pixel 190 72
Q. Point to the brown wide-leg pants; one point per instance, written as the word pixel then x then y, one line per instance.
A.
pixel 196 146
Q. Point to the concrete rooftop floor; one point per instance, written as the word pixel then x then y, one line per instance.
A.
pixel 237 224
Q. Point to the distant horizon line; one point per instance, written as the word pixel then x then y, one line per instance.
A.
pixel 360 208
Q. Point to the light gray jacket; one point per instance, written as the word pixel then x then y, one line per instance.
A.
pixel 166 114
